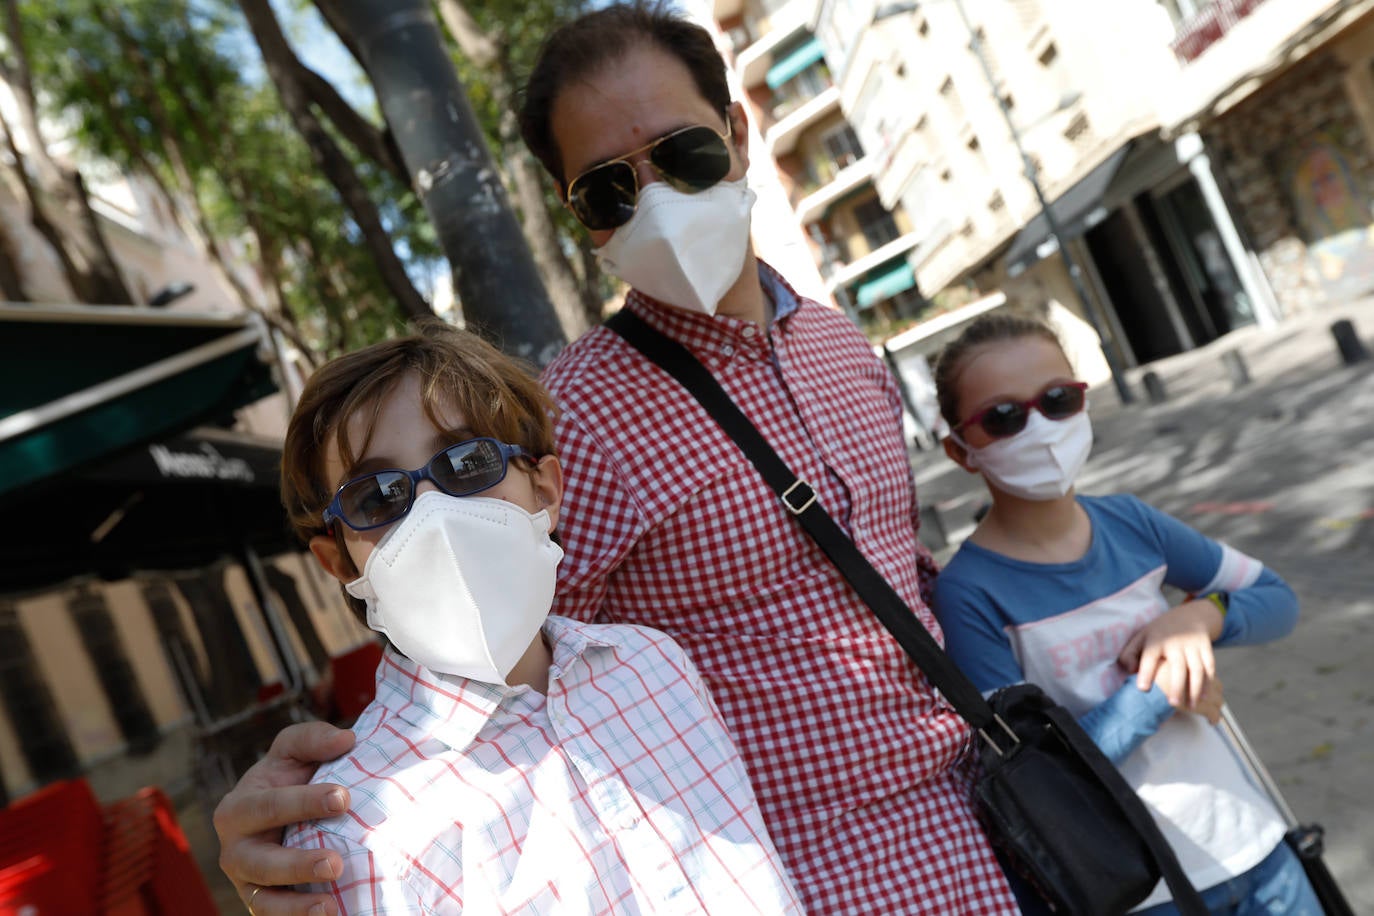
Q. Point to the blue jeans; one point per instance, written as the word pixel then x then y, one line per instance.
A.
pixel 1277 886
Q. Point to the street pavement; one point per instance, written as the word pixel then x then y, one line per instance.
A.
pixel 1281 468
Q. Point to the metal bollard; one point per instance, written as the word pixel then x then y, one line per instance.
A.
pixel 1349 343
pixel 1235 366
pixel 1154 388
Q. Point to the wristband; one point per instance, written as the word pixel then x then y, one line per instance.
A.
pixel 1219 600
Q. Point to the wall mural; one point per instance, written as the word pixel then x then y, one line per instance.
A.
pixel 1332 208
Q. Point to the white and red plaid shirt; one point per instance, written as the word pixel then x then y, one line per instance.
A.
pixel 666 524
pixel 617 793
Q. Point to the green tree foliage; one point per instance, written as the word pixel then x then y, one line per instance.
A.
pixel 177 91
pixel 172 90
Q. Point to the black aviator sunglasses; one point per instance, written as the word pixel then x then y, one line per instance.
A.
pixel 690 160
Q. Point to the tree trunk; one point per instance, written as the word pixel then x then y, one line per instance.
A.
pixel 494 273
pixel 284 68
pixel 11 276
pixel 85 255
pixel 489 52
pixel 589 280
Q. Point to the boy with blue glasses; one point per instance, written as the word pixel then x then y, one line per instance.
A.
pixel 512 761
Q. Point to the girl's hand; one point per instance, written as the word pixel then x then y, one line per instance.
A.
pixel 1209 707
pixel 1182 637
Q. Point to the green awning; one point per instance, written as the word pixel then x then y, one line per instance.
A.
pixel 885 283
pixel 794 62
pixel 78 382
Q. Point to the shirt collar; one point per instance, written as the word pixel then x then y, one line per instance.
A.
pixel 785 298
pixel 712 337
pixel 454 709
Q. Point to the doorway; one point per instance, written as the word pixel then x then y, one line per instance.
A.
pixel 1140 309
pixel 1206 283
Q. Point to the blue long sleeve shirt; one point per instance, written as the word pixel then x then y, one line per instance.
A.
pixel 1062 625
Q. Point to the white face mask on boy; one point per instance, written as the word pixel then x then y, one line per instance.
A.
pixel 686 250
pixel 1041 461
pixel 461 585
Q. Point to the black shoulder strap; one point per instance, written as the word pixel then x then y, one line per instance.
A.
pixel 799 499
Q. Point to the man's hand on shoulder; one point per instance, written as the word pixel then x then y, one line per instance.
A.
pixel 272 795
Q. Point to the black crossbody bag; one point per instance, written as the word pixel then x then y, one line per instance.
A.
pixel 1047 796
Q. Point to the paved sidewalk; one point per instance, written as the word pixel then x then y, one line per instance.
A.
pixel 1283 469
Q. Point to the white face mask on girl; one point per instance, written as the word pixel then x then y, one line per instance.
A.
pixel 1041 461
pixel 461 585
pixel 686 250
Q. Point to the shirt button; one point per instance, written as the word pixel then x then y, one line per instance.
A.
pixel 749 331
pixel 728 349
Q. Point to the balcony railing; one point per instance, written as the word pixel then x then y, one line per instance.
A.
pixel 1206 27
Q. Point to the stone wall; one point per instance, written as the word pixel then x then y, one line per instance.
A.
pixel 1249 144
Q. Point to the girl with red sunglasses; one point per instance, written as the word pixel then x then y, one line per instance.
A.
pixel 1065 591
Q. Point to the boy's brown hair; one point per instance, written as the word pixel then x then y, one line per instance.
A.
pixel 497 395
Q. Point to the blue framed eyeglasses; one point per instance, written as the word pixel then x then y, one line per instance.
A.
pixel 382 497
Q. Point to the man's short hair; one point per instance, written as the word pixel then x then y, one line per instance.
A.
pixel 591 42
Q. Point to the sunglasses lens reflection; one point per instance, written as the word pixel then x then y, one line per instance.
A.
pixel 690 160
pixel 1004 420
pixel 604 198
pixel 375 500
pixel 469 467
pixel 1061 401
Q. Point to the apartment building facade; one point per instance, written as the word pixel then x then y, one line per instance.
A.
pixel 904 131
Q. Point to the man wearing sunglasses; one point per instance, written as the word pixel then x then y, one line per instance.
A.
pixel 667 525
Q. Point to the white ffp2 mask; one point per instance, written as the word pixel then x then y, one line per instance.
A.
pixel 1041 461
pixel 685 250
pixel 461 585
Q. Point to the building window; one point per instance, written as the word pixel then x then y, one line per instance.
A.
pixel 951 97
pixel 842 146
pixel 908 303
pixel 1049 57
pixel 876 224
pixel 923 29
pixel 1079 130
pixel 801 89
pixel 996 204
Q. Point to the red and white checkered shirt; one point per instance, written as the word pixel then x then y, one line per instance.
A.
pixel 617 793
pixel 665 523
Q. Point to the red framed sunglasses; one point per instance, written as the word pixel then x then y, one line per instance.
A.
pixel 1057 402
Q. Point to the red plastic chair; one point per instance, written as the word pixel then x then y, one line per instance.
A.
pixel 50 851
pixel 62 855
pixel 157 855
